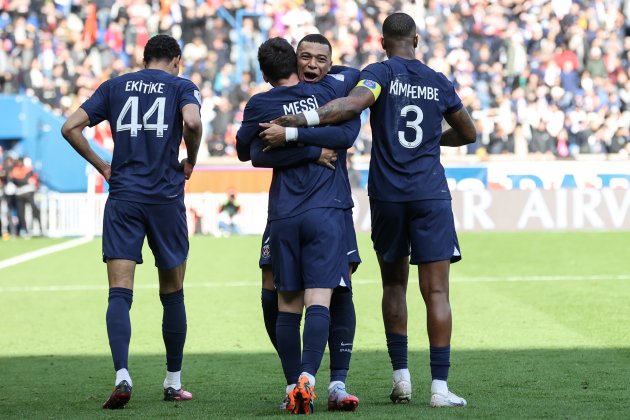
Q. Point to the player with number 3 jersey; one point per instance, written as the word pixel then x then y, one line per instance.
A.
pixel 410 203
pixel 406 120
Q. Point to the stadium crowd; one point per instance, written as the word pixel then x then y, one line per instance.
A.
pixel 548 77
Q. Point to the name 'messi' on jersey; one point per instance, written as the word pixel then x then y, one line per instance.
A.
pixel 300 106
pixel 144 87
pixel 429 93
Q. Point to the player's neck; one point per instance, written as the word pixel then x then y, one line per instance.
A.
pixel 159 66
pixel 403 49
pixel 408 53
pixel 289 81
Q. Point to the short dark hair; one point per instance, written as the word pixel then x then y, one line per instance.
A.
pixel 317 39
pixel 399 26
pixel 161 47
pixel 277 59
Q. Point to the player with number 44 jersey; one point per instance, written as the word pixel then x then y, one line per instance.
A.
pixel 149 112
pixel 144 111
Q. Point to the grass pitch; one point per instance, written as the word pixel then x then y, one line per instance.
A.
pixel 540 331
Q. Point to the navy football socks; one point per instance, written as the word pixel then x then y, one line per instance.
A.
pixel 289 344
pixel 269 300
pixel 440 362
pixel 119 325
pixel 341 334
pixel 397 349
pixel 174 328
pixel 316 326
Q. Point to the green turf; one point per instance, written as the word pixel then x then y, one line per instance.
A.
pixel 540 331
pixel 17 246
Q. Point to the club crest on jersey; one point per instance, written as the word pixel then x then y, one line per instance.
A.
pixel 266 251
pixel 370 84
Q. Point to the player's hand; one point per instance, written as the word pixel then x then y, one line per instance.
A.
pixel 107 172
pixel 187 167
pixel 327 158
pixel 273 136
pixel 297 120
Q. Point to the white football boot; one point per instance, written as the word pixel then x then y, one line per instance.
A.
pixel 401 389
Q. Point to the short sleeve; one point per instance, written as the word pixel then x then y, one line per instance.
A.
pixel 452 101
pixel 190 94
pixel 96 107
pixel 374 77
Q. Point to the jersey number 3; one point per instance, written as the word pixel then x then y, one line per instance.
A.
pixel 131 108
pixel 415 124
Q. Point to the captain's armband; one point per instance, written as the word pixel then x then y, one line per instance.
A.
pixel 374 87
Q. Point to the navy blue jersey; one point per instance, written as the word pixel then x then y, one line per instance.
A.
pixel 406 122
pixel 144 110
pixel 299 183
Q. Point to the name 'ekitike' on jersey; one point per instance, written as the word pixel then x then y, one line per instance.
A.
pixel 300 106
pixel 144 87
pixel 413 91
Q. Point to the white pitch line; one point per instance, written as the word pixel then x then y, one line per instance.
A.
pixel 230 284
pixel 42 252
pixel 593 277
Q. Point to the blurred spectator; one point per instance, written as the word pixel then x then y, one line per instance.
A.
pixel 541 141
pixel 4 211
pixel 228 215
pixel 25 182
pixel 500 141
pixel 620 141
pixel 536 67
pixel 7 198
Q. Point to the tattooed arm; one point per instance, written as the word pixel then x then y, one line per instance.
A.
pixel 336 111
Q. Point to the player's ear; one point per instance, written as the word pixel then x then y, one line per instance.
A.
pixel 383 43
pixel 415 41
pixel 265 78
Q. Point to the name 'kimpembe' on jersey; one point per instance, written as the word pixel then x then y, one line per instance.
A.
pixel 412 99
pixel 144 112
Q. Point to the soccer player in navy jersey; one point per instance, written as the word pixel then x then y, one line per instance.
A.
pixel 314 63
pixel 149 111
pixel 410 201
pixel 307 206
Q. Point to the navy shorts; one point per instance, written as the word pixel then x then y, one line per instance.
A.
pixel 126 223
pixel 354 258
pixel 308 251
pixel 352 249
pixel 265 249
pixel 424 229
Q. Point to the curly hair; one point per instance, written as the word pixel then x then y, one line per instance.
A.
pixel 161 47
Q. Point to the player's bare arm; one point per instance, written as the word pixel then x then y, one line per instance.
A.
pixel 72 131
pixel 462 129
pixel 333 136
pixel 336 111
pixel 192 137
